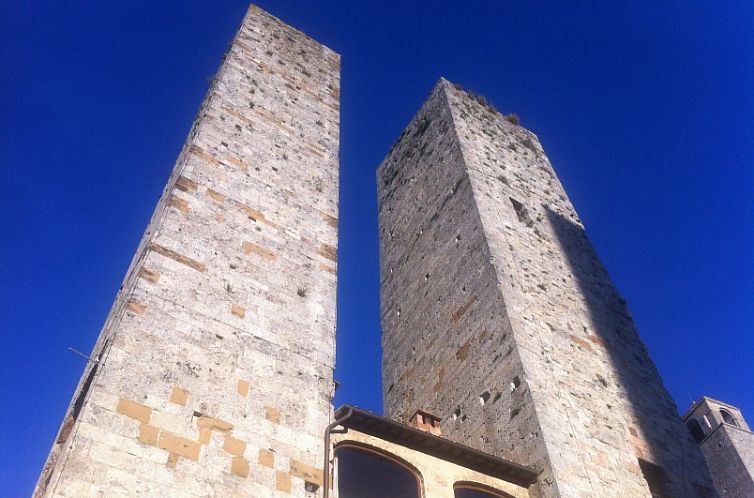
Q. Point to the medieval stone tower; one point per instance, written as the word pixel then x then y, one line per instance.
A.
pixel 227 312
pixel 727 443
pixel 499 317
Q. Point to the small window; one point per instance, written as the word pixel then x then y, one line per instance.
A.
pixel 474 490
pixel 521 212
pixel 655 477
pixel 727 417
pixel 696 429
pixel 367 473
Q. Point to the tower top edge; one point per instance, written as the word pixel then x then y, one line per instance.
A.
pixel 255 10
pixel 701 400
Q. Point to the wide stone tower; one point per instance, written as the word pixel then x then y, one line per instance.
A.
pixel 498 316
pixel 213 374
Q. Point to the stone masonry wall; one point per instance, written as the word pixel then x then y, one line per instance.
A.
pixel 447 341
pixel 541 362
pixel 730 457
pixel 213 373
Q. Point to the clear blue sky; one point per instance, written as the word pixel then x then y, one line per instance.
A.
pixel 646 110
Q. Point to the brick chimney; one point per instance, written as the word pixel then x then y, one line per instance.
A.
pixel 425 421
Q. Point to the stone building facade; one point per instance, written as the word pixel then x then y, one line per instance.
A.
pixel 727 443
pixel 439 466
pixel 227 312
pixel 498 316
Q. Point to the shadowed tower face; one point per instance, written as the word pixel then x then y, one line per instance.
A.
pixel 227 312
pixel 498 316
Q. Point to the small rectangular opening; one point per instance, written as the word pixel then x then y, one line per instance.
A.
pixel 521 212
pixel 655 477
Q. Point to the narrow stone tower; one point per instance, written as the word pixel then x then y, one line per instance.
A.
pixel 213 374
pixel 727 443
pixel 498 316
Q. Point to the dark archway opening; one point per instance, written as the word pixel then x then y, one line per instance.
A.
pixel 728 418
pixel 364 473
pixel 696 430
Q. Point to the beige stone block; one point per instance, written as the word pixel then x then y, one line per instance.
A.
pixel 178 203
pixel 134 410
pixel 283 482
pixel 251 248
pixel 329 252
pixel 214 424
pixel 179 396
pixel 306 472
pixel 239 466
pixel 238 310
pixel 185 184
pixel 205 435
pixel 180 258
pixel 216 196
pixel 272 414
pixel 266 458
pixel 149 275
pixel 148 434
pixel 234 446
pixel 136 307
pixel 328 269
pixel 179 445
pixel 243 387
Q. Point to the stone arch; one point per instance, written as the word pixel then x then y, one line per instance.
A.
pixel 469 489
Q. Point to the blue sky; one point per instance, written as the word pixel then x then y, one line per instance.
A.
pixel 646 110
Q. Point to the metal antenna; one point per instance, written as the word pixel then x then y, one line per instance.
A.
pixel 76 351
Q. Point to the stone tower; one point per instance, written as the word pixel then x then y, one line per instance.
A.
pixel 213 374
pixel 498 316
pixel 727 443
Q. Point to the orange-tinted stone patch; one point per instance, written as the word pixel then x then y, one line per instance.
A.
pixel 134 410
pixel 179 396
pixel 266 458
pixel 239 466
pixel 272 414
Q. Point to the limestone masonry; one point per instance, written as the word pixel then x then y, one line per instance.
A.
pixel 227 313
pixel 498 316
pixel 507 349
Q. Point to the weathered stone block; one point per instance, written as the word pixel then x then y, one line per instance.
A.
pixel 134 410
pixel 178 445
